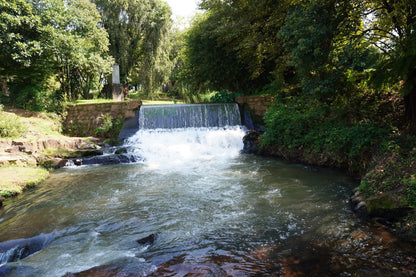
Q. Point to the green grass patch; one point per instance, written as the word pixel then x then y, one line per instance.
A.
pixel 92 101
pixel 161 102
pixel 11 126
pixel 15 179
pixel 30 126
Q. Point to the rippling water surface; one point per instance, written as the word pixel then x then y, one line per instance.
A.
pixel 216 212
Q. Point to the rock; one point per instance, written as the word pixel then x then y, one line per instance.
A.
pixel 54 163
pixel 121 151
pixel 107 160
pixel 90 153
pixel 148 240
pixel 77 162
pixel 17 159
pixel 131 266
pixel 15 250
pixel 251 142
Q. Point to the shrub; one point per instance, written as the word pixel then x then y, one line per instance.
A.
pixel 10 127
pixel 317 128
pixel 224 97
pixel 109 127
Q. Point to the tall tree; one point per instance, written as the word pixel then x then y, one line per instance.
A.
pixel 20 40
pixel 392 28
pixel 136 30
pixel 208 64
pixel 246 32
pixel 318 37
pixel 77 45
pixel 44 39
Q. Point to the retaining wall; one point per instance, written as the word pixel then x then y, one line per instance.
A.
pixel 83 119
pixel 257 105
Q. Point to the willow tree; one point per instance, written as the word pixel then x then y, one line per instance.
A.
pixel 137 30
pixel 154 65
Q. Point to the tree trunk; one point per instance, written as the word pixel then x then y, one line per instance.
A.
pixel 4 88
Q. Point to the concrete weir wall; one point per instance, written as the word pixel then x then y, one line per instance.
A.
pixel 83 119
pixel 256 105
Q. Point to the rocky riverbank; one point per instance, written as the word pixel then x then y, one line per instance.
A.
pixel 23 163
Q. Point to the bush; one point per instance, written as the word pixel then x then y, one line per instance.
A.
pixel 318 128
pixel 109 127
pixel 224 97
pixel 10 127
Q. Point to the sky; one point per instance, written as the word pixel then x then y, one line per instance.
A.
pixel 183 8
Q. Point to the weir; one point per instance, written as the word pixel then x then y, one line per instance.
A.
pixel 182 136
pixel 189 116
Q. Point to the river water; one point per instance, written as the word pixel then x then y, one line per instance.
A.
pixel 214 210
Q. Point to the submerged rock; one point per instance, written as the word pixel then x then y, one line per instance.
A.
pixel 129 267
pixel 15 250
pixel 148 240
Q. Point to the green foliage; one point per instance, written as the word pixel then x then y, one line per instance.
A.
pixel 44 42
pixel 20 37
pixel 10 127
pixel 139 40
pixel 319 129
pixel 109 127
pixel 207 64
pixel 411 191
pixel 224 97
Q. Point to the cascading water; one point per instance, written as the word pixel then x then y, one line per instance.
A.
pixel 175 135
pixel 188 116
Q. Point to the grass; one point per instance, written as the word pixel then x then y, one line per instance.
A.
pixel 161 102
pixel 16 123
pixel 15 179
pixel 92 101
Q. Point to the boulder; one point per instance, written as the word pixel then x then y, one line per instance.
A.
pixel 251 142
pixel 148 240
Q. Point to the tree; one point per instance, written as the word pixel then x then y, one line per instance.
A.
pixel 77 45
pixel 43 40
pixel 319 39
pixel 20 40
pixel 208 64
pixel 155 64
pixel 244 35
pixel 392 29
pixel 138 31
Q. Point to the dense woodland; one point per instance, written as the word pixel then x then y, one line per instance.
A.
pixel 342 72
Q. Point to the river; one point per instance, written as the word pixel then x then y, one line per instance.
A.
pixel 213 212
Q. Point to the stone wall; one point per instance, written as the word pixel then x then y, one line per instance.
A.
pixel 257 105
pixel 83 119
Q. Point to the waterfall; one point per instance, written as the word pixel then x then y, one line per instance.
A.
pixel 188 116
pixel 187 136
